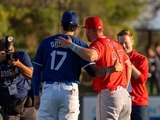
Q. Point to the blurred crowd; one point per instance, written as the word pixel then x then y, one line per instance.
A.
pixel 154 69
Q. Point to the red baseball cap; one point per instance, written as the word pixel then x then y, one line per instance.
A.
pixel 93 23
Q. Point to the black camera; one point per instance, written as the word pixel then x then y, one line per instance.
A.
pixel 10 55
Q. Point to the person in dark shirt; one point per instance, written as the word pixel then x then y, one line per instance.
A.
pixel 15 82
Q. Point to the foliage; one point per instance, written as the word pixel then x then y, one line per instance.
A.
pixel 29 21
pixel 4 23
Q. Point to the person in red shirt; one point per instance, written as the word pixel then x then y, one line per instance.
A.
pixel 113 100
pixel 139 77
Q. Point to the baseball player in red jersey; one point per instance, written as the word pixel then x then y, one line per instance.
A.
pixel 113 100
pixel 138 78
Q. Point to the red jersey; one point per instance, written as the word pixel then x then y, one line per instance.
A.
pixel 108 52
pixel 139 90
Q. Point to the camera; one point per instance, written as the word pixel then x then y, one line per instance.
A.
pixel 10 55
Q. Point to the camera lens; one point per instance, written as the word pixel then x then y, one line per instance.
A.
pixel 14 56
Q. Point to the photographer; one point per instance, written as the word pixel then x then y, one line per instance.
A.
pixel 15 82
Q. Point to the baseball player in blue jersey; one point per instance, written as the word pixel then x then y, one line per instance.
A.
pixel 59 69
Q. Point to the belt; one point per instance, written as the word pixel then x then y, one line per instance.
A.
pixel 67 83
pixel 109 90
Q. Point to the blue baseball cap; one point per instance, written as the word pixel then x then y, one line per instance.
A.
pixel 69 17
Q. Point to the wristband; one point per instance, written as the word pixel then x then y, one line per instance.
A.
pixel 71 46
pixel 75 48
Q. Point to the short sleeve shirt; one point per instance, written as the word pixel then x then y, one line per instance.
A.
pixel 108 52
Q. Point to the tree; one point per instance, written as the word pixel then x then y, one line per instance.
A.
pixel 29 21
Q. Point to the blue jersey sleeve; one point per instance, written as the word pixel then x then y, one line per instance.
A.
pixel 36 79
pixel 38 65
pixel 39 55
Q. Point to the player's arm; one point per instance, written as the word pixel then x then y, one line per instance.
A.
pixel 36 79
pixel 95 71
pixel 90 54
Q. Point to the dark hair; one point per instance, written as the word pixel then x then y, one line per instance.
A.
pixel 69 27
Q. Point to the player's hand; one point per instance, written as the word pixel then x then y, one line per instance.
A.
pixel 118 66
pixel 63 42
pixel 36 102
